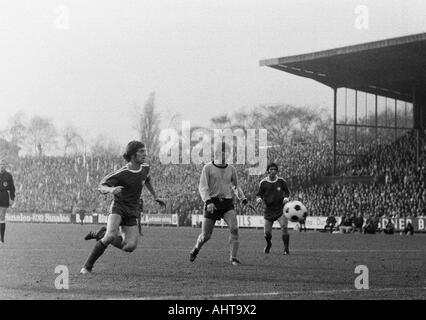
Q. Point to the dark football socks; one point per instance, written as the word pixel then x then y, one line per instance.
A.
pixel 286 240
pixel 118 242
pixel 268 239
pixel 100 234
pixel 2 231
pixel 97 251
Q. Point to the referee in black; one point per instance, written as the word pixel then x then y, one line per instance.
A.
pixel 7 196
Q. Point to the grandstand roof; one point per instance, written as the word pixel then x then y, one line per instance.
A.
pixel 389 67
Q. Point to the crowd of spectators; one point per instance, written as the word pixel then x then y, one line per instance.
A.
pixel 66 184
pixel 402 192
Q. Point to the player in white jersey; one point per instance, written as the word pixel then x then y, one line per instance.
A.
pixel 217 187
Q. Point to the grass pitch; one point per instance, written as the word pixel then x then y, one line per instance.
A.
pixel 321 266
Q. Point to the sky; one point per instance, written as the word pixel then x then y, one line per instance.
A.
pixel 91 63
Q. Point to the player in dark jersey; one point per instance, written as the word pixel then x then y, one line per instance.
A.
pixel 274 192
pixel 217 187
pixel 7 196
pixel 126 185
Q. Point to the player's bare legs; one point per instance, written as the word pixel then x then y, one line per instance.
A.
pixel 130 238
pixel 285 235
pixel 113 229
pixel 231 220
pixel 2 223
pixel 113 226
pixel 205 235
pixel 97 235
pixel 267 231
pixel 124 237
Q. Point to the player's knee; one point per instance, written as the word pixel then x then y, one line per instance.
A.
pixel 206 236
pixel 268 234
pixel 129 247
pixel 109 237
pixel 234 231
pixel 285 230
pixel 233 237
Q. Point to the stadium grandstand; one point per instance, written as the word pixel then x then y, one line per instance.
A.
pixel 386 153
pixel 365 77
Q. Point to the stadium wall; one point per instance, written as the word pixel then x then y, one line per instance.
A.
pixel 149 219
pixel 312 223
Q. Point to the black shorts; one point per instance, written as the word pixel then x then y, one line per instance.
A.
pixel 128 215
pixel 272 214
pixel 4 199
pixel 222 207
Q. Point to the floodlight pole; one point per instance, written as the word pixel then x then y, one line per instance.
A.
pixel 418 117
pixel 334 131
pixel 356 125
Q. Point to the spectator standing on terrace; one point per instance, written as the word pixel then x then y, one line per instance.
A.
pixel 358 223
pixel 82 215
pixel 330 223
pixel 389 228
pixel 370 226
pixel 345 224
pixel 302 222
pixel 7 196
pixel 409 229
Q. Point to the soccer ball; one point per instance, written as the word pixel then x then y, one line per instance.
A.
pixel 295 211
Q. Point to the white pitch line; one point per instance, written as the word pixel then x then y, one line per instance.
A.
pixel 213 250
pixel 258 294
pixel 359 250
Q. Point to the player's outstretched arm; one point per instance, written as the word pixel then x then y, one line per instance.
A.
pixel 152 191
pixel 109 184
pixel 260 193
pixel 237 189
pixel 204 190
pixel 203 186
pixel 11 191
pixel 286 192
pixel 104 189
pixel 240 194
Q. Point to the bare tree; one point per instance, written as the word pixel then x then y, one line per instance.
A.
pixel 221 122
pixel 72 139
pixel 242 119
pixel 173 120
pixel 148 125
pixel 104 146
pixel 41 135
pixel 8 150
pixel 324 129
pixel 279 121
pixel 285 123
pixel 16 131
